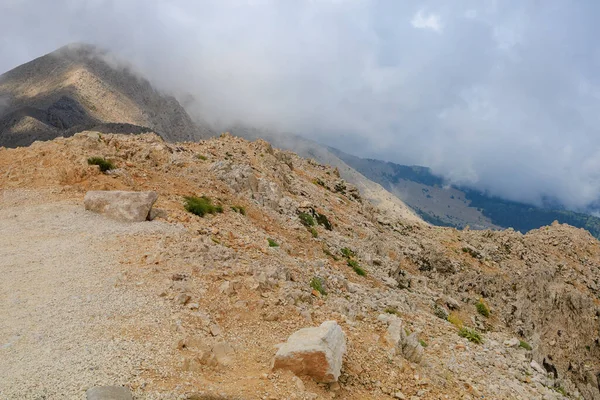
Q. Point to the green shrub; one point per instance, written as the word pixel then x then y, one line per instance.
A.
pixel 239 209
pixel 356 267
pixel 313 232
pixel 482 308
pixel 201 157
pixel 318 284
pixel 391 310
pixel 525 345
pixel 319 182
pixel 471 334
pixel 272 243
pixel 322 220
pixel 423 343
pixel 440 312
pixel 306 219
pixel 104 164
pixel 347 252
pixel 201 206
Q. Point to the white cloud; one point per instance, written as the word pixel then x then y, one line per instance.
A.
pixel 431 21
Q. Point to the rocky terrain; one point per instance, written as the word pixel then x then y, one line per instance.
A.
pixel 194 307
pixel 58 95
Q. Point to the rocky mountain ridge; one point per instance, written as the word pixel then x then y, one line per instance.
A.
pixel 79 87
pixel 428 312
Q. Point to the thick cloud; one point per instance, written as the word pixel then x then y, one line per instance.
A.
pixel 503 96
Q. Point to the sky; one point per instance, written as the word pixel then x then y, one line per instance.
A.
pixel 503 96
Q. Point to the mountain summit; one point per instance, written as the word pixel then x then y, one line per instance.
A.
pixel 59 94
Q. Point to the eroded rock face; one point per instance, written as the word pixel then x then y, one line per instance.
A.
pixel 121 205
pixel 316 352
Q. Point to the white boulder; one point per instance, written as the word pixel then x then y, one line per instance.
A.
pixel 315 352
pixel 121 205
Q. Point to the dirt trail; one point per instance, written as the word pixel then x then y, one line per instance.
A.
pixel 63 314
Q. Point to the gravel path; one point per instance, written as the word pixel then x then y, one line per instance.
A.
pixel 63 315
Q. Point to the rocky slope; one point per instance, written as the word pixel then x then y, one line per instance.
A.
pixel 80 87
pixel 231 286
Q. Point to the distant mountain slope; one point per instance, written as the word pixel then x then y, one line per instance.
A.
pixel 79 87
pixel 370 190
pixel 446 205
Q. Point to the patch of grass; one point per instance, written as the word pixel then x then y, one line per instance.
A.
pixel 423 343
pixel 313 232
pixel 103 163
pixel 201 157
pixel 561 390
pixel 239 209
pixel 201 206
pixel 317 284
pixel 455 320
pixel 391 310
pixel 525 345
pixel 330 254
pixel 482 308
pixel 272 243
pixel 306 219
pixel 347 252
pixel 471 334
pixel 214 239
pixel 357 268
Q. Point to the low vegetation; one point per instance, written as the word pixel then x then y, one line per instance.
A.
pixel 239 209
pixel 272 243
pixel 317 284
pixel 348 253
pixel 357 268
pixel 324 221
pixel 201 206
pixel 313 232
pixel 103 163
pixel 306 219
pixel 470 334
pixel 482 308
pixel 525 345
pixel 455 320
pixel 201 157
pixel 391 310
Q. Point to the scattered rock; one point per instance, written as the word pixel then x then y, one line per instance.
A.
pixel 316 352
pixel 182 299
pixel 121 205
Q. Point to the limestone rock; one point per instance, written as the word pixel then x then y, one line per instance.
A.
pixel 109 393
pixel 316 352
pixel 121 205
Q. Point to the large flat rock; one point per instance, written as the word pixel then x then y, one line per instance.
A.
pixel 121 205
pixel 109 393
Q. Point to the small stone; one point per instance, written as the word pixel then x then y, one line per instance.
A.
pixel 182 299
pixel 215 330
pixel 193 306
pixel 514 342
pixel 299 384
pixel 399 395
pixel 109 393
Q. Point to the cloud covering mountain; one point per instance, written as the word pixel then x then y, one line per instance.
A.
pixel 503 96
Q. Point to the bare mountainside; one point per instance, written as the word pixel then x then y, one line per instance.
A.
pixel 80 87
pixel 193 307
